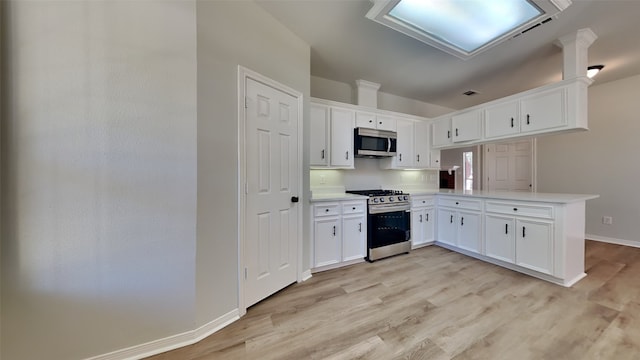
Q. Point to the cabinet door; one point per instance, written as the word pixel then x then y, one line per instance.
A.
pixel 447 226
pixel 428 226
pixel 469 231
pixel 342 125
pixel 404 147
pixel 365 120
pixel 466 126
pixel 534 245
pixel 387 123
pixel 435 158
pixel 501 120
pixel 319 155
pixel 441 131
pixel 326 238
pixel 543 111
pixel 417 227
pixel 499 238
pixel 353 237
pixel 422 145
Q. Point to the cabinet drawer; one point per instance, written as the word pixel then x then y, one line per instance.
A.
pixel 460 203
pixel 327 209
pixel 421 201
pixel 520 209
pixel 353 208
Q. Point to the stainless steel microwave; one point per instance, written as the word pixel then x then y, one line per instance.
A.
pixel 374 143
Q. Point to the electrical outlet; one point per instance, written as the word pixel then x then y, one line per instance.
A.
pixel 607 220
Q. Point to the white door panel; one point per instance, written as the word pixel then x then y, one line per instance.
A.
pixel 271 217
pixel 509 166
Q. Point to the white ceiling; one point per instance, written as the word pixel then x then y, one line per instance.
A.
pixel 346 46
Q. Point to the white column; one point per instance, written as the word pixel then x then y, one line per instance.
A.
pixel 575 53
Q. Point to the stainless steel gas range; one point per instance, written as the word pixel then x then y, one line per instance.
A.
pixel 388 223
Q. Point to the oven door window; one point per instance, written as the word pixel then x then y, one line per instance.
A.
pixel 389 228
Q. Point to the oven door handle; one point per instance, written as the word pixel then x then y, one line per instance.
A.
pixel 388 209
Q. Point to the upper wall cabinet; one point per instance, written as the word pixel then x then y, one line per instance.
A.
pixel 551 109
pixel 331 140
pixel 414 148
pixel 374 121
pixel 457 128
pixel 319 128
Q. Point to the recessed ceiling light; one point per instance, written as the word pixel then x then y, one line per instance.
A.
pixel 463 28
pixel 594 70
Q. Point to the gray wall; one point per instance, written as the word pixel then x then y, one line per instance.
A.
pixel 232 34
pixel 100 196
pixel 346 93
pixel 601 161
pixel 120 140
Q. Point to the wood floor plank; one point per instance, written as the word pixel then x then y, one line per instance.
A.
pixel 436 304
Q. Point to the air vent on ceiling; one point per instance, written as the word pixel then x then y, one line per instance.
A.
pixel 470 92
pixel 532 27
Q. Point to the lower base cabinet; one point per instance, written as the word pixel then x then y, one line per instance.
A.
pixel 339 233
pixel 422 221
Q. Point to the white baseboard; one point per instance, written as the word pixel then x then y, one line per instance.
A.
pixel 631 243
pixel 171 342
pixel 306 275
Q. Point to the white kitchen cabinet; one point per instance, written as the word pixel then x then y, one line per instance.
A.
pixel 413 147
pixel 502 120
pixel 551 109
pixel 404 145
pixel 339 233
pixel 422 221
pixel 544 110
pixel 534 245
pixel 327 241
pixel 342 125
pixel 520 233
pixel 500 237
pixel 447 227
pixel 375 121
pixel 353 237
pixel 469 230
pixel 422 145
pixel 459 223
pixel 441 132
pixel 465 126
pixel 319 128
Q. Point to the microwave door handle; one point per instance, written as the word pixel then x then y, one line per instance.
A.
pixel 388 144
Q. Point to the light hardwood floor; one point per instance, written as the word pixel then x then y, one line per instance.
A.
pixel 437 304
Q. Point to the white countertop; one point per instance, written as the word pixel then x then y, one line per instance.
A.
pixel 521 196
pixel 558 198
pixel 336 197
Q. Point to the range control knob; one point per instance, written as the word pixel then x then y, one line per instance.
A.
pixel 391 198
pixel 374 200
pixel 399 198
pixel 381 199
pixel 406 197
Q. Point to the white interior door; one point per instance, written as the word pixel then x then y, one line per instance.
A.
pixel 509 166
pixel 272 167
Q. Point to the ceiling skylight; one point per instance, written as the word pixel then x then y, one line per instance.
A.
pixel 463 28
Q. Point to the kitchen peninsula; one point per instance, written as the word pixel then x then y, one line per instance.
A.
pixel 538 234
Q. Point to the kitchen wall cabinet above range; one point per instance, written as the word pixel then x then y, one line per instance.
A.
pixel 331 141
pixel 550 109
pixel 332 132
pixel 373 121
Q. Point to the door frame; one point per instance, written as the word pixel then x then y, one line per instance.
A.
pixel 244 74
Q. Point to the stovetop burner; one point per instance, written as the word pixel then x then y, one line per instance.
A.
pixel 376 192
